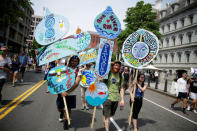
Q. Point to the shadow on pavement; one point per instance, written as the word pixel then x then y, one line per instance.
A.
pixel 5 102
pixel 80 119
pixel 143 121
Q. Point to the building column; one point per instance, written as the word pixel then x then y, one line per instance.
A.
pixel 177 40
pixel 176 59
pixel 178 24
pixel 185 39
pixel 165 28
pixel 195 18
pixel 187 21
pixel 172 27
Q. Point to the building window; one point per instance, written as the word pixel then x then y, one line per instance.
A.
pixel 168 25
pixel 191 18
pixel 166 56
pixel 187 57
pixel 189 35
pixel 188 2
pixel 160 57
pixel 167 42
pixel 181 38
pixel 172 56
pixel 182 22
pixel 179 57
pixel 175 25
pixel 173 40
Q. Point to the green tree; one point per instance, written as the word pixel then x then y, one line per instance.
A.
pixel 33 47
pixel 10 12
pixel 140 16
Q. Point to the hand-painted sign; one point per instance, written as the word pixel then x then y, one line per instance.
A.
pixel 88 56
pixel 103 62
pixel 51 28
pixel 96 94
pixel 107 24
pixel 88 77
pixel 60 79
pixel 57 50
pixel 83 40
pixel 138 54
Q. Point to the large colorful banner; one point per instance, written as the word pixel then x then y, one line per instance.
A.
pixel 82 40
pixel 52 28
pixel 57 50
pixel 138 54
pixel 96 94
pixel 103 61
pixel 88 56
pixel 107 24
pixel 88 77
pixel 60 79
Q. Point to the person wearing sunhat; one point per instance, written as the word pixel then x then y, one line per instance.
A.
pixel 114 83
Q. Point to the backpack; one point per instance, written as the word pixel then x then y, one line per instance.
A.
pixel 120 76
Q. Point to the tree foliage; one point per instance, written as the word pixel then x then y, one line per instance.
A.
pixel 34 46
pixel 140 16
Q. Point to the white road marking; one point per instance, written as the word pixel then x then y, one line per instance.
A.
pixel 171 111
pixel 112 120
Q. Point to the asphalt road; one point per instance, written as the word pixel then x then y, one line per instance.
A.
pixel 36 111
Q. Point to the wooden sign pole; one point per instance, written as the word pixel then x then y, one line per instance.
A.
pixel 93 117
pixel 66 109
pixel 134 86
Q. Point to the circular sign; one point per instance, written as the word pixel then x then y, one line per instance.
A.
pixel 60 79
pixel 107 24
pixel 88 77
pixel 138 54
pixel 96 94
pixel 52 28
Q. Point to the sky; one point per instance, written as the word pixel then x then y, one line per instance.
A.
pixel 81 13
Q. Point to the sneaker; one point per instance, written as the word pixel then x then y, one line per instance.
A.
pixel 87 108
pixel 172 106
pixel 21 80
pixel 13 85
pixel 83 107
pixel 188 108
pixel 61 117
pixel 184 112
pixel 65 125
pixel 195 111
pixel 16 80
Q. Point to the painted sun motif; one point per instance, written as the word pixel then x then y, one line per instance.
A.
pixel 92 88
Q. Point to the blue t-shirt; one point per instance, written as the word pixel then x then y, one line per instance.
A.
pixel 138 92
pixel 23 60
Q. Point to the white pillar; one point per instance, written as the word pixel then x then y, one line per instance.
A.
pixel 185 39
pixel 177 40
pixel 165 28
pixel 187 21
pixel 195 18
pixel 172 27
pixel 178 24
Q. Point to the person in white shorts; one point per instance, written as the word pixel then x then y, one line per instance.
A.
pixel 193 94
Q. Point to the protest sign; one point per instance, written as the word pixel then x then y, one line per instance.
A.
pixel 139 53
pixel 103 61
pixel 52 28
pixel 88 77
pixel 87 56
pixel 57 50
pixel 82 40
pixel 60 79
pixel 107 24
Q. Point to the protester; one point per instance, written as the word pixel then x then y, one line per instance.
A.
pixel 127 77
pixel 182 92
pixel 23 59
pixel 4 67
pixel 83 88
pixel 29 63
pixel 69 95
pixel 15 69
pixel 138 99
pixel 193 94
pixel 114 83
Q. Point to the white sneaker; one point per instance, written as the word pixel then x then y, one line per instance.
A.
pixel 188 108
pixel 60 119
pixel 16 80
pixel 21 80
pixel 195 111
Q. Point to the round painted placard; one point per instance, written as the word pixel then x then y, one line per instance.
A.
pixel 96 94
pixel 138 54
pixel 52 28
pixel 87 78
pixel 107 24
pixel 60 79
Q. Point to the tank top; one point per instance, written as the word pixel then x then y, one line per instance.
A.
pixel 193 87
pixel 138 92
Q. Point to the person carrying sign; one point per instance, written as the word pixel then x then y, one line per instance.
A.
pixel 84 87
pixel 69 95
pixel 138 98
pixel 114 83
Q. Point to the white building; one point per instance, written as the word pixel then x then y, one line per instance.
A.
pixel 178 45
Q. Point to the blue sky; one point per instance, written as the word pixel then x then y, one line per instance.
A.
pixel 81 13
